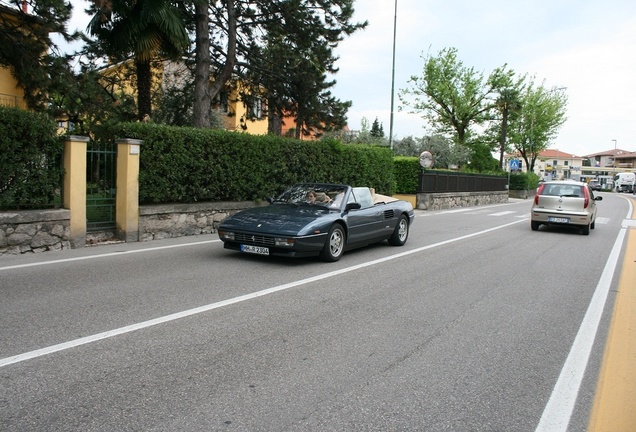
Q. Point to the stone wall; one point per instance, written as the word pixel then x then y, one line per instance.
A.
pixel 450 200
pixel 178 220
pixel 523 194
pixel 34 231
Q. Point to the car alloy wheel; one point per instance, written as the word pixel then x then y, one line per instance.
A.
pixel 334 247
pixel 401 232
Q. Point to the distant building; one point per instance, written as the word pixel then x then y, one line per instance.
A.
pixel 604 165
pixel 615 158
pixel 550 164
pixel 557 165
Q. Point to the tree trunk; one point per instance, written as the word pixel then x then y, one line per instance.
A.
pixel 274 121
pixel 504 131
pixel 144 84
pixel 202 97
pixel 226 73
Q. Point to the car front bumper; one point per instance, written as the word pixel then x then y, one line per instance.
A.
pixel 305 246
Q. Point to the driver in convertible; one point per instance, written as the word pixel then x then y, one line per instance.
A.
pixel 314 197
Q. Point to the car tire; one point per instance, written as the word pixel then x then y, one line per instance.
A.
pixel 593 225
pixel 334 246
pixel 534 225
pixel 401 232
pixel 585 230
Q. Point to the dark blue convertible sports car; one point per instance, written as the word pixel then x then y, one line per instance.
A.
pixel 318 219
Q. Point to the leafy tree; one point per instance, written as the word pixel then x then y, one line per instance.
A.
pixel 453 97
pixel 145 29
pixel 26 47
pixel 407 146
pixel 446 153
pixel 542 113
pixel 282 50
pixel 481 159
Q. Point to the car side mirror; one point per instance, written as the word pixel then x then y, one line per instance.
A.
pixel 598 198
pixel 353 206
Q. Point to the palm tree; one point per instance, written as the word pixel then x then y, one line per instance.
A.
pixel 507 102
pixel 144 29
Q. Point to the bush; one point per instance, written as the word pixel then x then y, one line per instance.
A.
pixel 407 174
pixel 182 164
pixel 30 160
pixel 524 181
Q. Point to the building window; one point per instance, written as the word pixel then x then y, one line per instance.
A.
pixel 566 163
pixel 224 99
pixel 256 109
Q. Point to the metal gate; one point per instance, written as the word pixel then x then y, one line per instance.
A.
pixel 101 181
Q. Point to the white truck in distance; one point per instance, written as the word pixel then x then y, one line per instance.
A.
pixel 624 182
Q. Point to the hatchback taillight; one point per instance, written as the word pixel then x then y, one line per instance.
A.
pixel 539 191
pixel 586 194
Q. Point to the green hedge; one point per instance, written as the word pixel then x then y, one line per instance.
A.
pixel 188 164
pixel 30 160
pixel 407 174
pixel 524 181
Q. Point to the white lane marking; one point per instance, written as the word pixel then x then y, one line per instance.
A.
pixel 602 221
pixel 145 324
pixel 557 413
pixel 503 213
pixel 105 255
pixel 475 210
pixel 461 210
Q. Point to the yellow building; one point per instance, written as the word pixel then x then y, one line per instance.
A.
pixel 10 93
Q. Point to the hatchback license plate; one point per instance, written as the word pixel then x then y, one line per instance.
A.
pixel 259 250
pixel 558 219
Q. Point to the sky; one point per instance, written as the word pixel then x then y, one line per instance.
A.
pixel 586 46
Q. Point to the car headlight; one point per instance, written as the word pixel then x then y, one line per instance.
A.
pixel 226 235
pixel 284 242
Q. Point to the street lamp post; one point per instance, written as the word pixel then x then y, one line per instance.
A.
pixel 393 78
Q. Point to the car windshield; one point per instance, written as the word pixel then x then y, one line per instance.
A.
pixel 563 190
pixel 328 196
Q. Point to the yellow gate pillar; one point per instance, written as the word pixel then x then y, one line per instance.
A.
pixel 75 187
pixel 127 200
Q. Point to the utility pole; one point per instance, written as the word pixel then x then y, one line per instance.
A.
pixel 393 78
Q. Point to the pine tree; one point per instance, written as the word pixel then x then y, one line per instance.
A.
pixel 377 131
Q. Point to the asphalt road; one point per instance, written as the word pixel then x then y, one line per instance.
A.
pixel 468 327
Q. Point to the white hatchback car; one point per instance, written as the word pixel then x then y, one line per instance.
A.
pixel 564 203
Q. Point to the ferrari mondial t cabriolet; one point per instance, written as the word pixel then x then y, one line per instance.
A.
pixel 318 219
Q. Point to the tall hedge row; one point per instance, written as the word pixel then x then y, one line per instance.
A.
pixel 30 160
pixel 189 165
pixel 524 181
pixel 407 174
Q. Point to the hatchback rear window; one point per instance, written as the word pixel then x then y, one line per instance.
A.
pixel 563 190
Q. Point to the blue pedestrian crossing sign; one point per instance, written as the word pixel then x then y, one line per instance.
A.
pixel 514 165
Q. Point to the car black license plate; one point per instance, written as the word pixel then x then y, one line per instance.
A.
pixel 558 219
pixel 259 250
